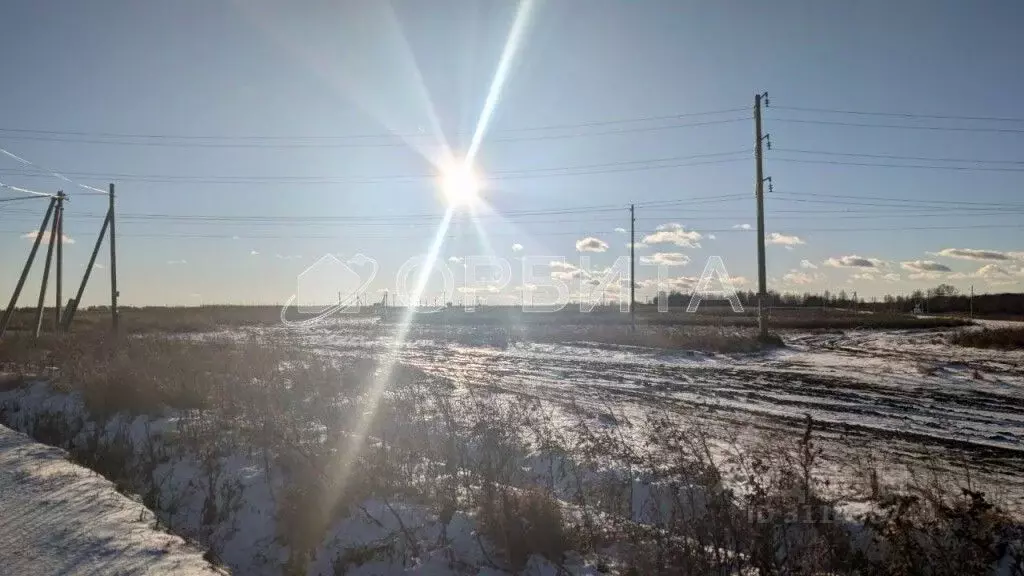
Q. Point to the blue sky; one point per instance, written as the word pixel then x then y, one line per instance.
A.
pixel 288 92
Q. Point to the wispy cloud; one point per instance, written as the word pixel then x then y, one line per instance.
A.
pixel 455 259
pixel 65 239
pixel 919 266
pixel 741 226
pixel 854 261
pixel 517 247
pixel 565 271
pixel 797 278
pixel 674 233
pixel 253 253
pixel 676 284
pixel 666 259
pixel 807 264
pixel 867 276
pixel 992 274
pixel 620 230
pixel 783 239
pixel 591 244
pixel 975 254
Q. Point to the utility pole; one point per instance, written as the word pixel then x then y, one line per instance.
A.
pixel 113 261
pixel 762 281
pixel 24 271
pixel 69 314
pixel 632 266
pixel 972 302
pixel 37 323
pixel 60 260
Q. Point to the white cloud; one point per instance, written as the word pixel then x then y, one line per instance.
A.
pixel 666 259
pixel 65 239
pixel 620 230
pixel 488 289
pixel 712 237
pixel 797 278
pixel 992 271
pixel 854 261
pixel 865 276
pixel 674 233
pixel 676 284
pixel 565 271
pixel 517 247
pixel 992 274
pixel 638 245
pixel 285 257
pixel 808 265
pixel 454 259
pixel 176 262
pixel 975 254
pixel 891 277
pixel 920 266
pixel 741 226
pixel 253 253
pixel 591 244
pixel 776 238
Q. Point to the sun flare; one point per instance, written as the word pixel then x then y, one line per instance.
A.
pixel 460 184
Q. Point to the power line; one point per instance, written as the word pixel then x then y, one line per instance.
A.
pixel 345 144
pixel 17 198
pixel 928 202
pixel 586 124
pixel 544 234
pixel 902 126
pixel 406 218
pixel 899 114
pixel 896 157
pixel 912 166
pixel 553 171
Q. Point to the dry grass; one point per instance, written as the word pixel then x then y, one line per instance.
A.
pixel 1000 338
pixel 537 486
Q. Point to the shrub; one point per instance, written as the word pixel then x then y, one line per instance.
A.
pixel 1001 338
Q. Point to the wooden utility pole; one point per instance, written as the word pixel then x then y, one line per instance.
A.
pixel 58 286
pixel 762 282
pixel 632 266
pixel 9 313
pixel 113 261
pixel 37 323
pixel 73 305
pixel 972 302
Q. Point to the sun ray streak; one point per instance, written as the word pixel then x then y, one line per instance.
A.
pixel 508 55
pixel 383 375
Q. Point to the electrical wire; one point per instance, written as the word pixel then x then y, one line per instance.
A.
pixel 344 144
pixel 900 114
pixel 902 126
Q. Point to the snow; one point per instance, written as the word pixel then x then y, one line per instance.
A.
pixel 905 395
pixel 59 518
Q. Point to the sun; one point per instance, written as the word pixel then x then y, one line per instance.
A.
pixel 460 184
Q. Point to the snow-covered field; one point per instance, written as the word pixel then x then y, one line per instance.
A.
pixel 59 518
pixel 890 399
pixel 900 397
